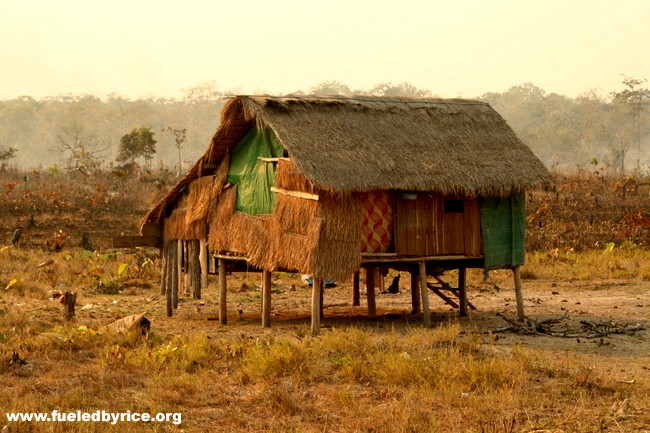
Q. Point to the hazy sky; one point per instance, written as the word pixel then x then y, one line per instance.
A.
pixel 453 48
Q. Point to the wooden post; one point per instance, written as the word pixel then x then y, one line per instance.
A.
pixel 370 291
pixel 424 292
pixel 170 276
pixel 69 299
pixel 415 293
pixel 518 295
pixel 315 305
pixel 223 309
pixel 203 259
pixel 179 266
pixel 462 291
pixel 322 298
pixel 195 268
pixel 356 296
pixel 163 268
pixel 176 278
pixel 266 298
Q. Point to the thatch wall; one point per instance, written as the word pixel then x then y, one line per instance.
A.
pixel 289 177
pixel 337 254
pixel 297 230
pixel 240 233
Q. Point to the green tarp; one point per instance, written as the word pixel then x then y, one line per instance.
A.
pixel 254 178
pixel 503 222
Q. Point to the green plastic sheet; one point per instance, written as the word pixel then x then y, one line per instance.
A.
pixel 503 222
pixel 254 178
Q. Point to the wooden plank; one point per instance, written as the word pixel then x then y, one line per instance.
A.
pixel 425 294
pixel 223 292
pixel 429 225
pixel 407 259
pixel 136 241
pixel 298 194
pixel 315 305
pixel 415 293
pixel 266 299
pixel 442 296
pixel 400 224
pixel 149 229
pixel 370 291
pixel 265 159
pixel 420 228
pixel 356 296
pixel 439 224
pixel 179 265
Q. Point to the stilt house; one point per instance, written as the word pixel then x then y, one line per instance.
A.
pixel 327 186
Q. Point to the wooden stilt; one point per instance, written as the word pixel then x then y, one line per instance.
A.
pixel 315 305
pixel 172 280
pixel 177 278
pixel 223 310
pixel 356 294
pixel 163 268
pixel 425 294
pixel 203 259
pixel 195 268
pixel 462 291
pixel 322 298
pixel 266 298
pixel 415 293
pixel 179 266
pixel 518 295
pixel 370 291
pixel 69 299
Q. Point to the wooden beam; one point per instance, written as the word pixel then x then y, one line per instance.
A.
pixel 265 159
pixel 195 268
pixel 163 269
pixel 425 294
pixel 315 305
pixel 370 292
pixel 518 295
pixel 267 284
pixel 136 241
pixel 223 308
pixel 322 299
pixel 356 296
pixel 298 194
pixel 442 296
pixel 462 291
pixel 371 258
pixel 415 293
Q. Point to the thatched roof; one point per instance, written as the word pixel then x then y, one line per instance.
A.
pixel 362 144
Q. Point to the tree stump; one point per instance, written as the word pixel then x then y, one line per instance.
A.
pixel 69 299
pixel 16 237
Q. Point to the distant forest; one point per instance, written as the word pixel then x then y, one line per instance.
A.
pixel 608 133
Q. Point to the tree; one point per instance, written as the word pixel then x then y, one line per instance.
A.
pixel 634 99
pixel 7 154
pixel 80 151
pixel 179 140
pixel 137 143
pixel 407 90
pixel 330 88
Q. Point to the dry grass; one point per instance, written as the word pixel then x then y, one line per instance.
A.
pixel 352 378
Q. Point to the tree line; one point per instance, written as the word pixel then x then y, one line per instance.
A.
pixel 604 132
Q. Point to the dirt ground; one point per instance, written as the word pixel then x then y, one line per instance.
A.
pixel 620 303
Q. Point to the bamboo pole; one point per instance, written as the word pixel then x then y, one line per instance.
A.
pixel 518 295
pixel 223 309
pixel 356 295
pixel 415 293
pixel 203 259
pixel 424 292
pixel 370 291
pixel 315 305
pixel 266 298
pixel 462 291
